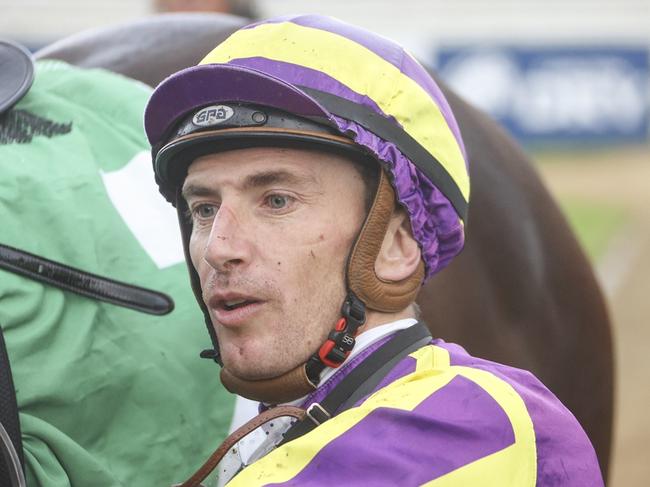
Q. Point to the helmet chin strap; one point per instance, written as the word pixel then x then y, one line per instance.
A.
pixel 365 290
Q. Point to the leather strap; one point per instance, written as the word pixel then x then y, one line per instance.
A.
pixel 214 459
pixel 14 476
pixel 11 469
pixel 84 283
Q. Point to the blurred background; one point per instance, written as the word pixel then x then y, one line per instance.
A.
pixel 569 79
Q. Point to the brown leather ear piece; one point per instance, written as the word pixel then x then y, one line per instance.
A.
pixel 376 293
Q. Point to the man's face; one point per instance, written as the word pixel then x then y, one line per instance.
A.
pixel 272 229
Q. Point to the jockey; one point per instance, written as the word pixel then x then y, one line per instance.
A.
pixel 320 178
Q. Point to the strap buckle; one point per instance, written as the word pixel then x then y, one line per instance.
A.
pixel 211 354
pixel 317 413
pixel 341 340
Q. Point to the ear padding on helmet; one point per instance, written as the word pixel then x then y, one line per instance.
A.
pixel 377 293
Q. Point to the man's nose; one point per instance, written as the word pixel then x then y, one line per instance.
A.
pixel 228 245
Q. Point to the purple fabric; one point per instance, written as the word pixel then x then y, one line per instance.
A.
pixel 385 49
pixel 456 425
pixel 564 453
pixel 452 427
pixel 198 86
pixel 434 221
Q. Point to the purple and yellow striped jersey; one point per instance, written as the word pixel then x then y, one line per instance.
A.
pixel 440 418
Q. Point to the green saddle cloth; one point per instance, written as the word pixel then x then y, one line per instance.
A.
pixel 107 396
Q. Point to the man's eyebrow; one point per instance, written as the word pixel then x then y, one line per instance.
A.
pixel 266 178
pixel 196 191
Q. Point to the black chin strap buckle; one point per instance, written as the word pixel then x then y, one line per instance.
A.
pixel 354 312
pixel 340 340
pixel 211 354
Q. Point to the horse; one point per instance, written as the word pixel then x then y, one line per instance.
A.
pixel 522 292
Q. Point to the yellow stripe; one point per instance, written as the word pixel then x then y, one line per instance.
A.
pixel 362 71
pixel 431 357
pixel 515 466
pixel 494 470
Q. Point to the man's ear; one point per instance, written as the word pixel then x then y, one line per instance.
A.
pixel 400 253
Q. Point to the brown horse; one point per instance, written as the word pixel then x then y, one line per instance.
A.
pixel 521 293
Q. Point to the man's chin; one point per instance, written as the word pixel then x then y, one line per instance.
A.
pixel 257 371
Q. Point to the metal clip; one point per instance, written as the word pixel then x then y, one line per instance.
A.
pixel 317 413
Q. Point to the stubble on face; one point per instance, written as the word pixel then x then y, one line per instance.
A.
pixel 294 263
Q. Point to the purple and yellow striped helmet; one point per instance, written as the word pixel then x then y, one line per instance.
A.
pixel 362 87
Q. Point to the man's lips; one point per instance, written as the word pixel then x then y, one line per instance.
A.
pixel 232 309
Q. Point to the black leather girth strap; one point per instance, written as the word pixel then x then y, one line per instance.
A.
pixel 8 415
pixel 84 283
pixel 363 379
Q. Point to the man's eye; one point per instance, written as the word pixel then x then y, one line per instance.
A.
pixel 204 211
pixel 278 201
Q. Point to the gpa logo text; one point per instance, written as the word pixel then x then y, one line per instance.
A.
pixel 212 115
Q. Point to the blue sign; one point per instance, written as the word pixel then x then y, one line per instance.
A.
pixel 556 94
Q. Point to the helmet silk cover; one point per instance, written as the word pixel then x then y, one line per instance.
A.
pixel 362 85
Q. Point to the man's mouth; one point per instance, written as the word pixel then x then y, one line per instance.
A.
pixel 236 303
pixel 234 309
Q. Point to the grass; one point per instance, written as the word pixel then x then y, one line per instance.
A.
pixel 595 223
